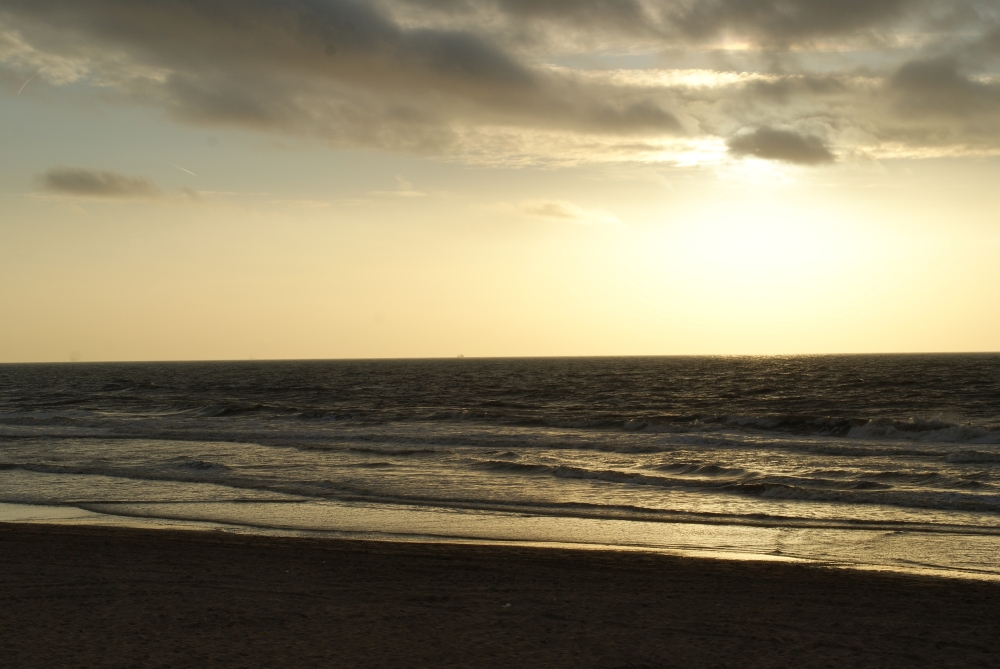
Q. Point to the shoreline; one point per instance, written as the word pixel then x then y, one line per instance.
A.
pixel 850 550
pixel 110 597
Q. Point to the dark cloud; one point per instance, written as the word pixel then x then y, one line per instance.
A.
pixel 341 39
pixel 635 17
pixel 787 21
pixel 464 57
pixel 97 183
pixel 765 22
pixel 990 43
pixel 216 98
pixel 936 87
pixel 336 68
pixel 628 16
pixel 471 77
pixel 784 89
pixel 639 116
pixel 783 145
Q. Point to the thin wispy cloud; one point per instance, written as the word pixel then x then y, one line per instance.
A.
pixel 561 210
pixel 404 189
pixel 486 81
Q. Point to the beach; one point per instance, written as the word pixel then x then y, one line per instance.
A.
pixel 83 596
pixel 825 511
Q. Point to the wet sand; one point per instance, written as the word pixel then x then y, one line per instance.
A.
pixel 74 596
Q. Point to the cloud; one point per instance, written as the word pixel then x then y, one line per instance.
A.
pixel 783 145
pixel 763 22
pixel 936 87
pixel 487 81
pixel 338 69
pixel 567 211
pixel 404 189
pixel 784 22
pixel 97 183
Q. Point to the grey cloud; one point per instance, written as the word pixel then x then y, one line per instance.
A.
pixel 465 56
pixel 469 77
pixel 630 16
pixel 936 87
pixel 336 38
pixel 783 145
pixel 97 183
pixel 224 99
pixel 786 88
pixel 933 103
pixel 644 115
pixel 990 43
pixel 335 68
pixel 787 21
pixel 767 22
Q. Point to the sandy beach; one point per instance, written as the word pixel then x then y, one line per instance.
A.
pixel 103 597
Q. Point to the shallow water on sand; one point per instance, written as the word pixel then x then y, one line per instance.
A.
pixel 879 461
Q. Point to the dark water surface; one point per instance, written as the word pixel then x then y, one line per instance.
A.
pixel 804 456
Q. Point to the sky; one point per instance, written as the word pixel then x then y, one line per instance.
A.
pixel 236 179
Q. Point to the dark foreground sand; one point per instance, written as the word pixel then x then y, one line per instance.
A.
pixel 92 597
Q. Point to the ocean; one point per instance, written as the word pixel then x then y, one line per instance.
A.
pixel 869 461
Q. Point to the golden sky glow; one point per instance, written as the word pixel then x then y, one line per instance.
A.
pixel 323 178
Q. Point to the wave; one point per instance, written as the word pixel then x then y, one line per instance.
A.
pixel 919 429
pixel 697 469
pixel 200 472
pixel 854 491
pixel 607 512
pixel 836 485
pixel 395 451
pixel 899 476
pixel 921 479
pixel 868 450
pixel 199 465
pixel 940 501
pixel 194 472
pixel 409 439
pixel 875 428
pixel 295 418
pixel 968 457
pixel 748 483
pixel 517 467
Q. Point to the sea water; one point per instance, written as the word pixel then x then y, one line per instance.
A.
pixel 889 462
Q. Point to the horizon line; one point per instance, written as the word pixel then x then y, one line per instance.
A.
pixel 499 357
